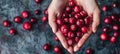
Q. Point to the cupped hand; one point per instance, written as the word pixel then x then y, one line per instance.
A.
pixel 91 7
pixel 54 11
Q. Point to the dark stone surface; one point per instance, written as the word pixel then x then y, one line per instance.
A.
pixel 31 42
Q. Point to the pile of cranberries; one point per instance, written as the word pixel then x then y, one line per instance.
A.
pixel 74 22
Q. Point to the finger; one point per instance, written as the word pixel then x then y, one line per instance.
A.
pixel 52 22
pixel 62 39
pixel 70 50
pixel 82 40
pixel 96 19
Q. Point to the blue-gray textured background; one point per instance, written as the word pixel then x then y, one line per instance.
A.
pixel 31 42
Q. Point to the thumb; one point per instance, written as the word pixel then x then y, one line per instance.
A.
pixel 96 19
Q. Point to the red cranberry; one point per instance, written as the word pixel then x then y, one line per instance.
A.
pixel 89 51
pixel 77 9
pixel 46 47
pixel 25 14
pixel 70 34
pixel 77 39
pixel 59 21
pixel 115 27
pixel 37 12
pixel 46 12
pixel 113 17
pixel 65 15
pixel 44 19
pixel 119 19
pixel 73 27
pixel 77 16
pixel 68 9
pixel 83 14
pixel 64 29
pixel 105 29
pixel 66 20
pixel 37 1
pixel 33 20
pixel 72 20
pixel 57 49
pixel 79 22
pixel 105 8
pixel 113 39
pixel 115 34
pixel 17 19
pixel 79 34
pixel 71 3
pixel 115 4
pixel 107 20
pixel 103 36
pixel 70 42
pixel 56 38
pixel 6 23
pixel 88 20
pixel 12 31
pixel 26 25
pixel 84 29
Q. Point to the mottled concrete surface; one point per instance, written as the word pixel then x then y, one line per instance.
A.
pixel 31 42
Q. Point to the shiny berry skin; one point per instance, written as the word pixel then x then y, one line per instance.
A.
pixel 115 5
pixel 115 27
pixel 44 19
pixel 77 39
pixel 88 20
pixel 71 3
pixel 88 51
pixel 77 9
pixel 26 26
pixel 115 34
pixel 105 29
pixel 25 14
pixel 57 49
pixel 83 14
pixel 105 8
pixel 77 16
pixel 103 36
pixel 113 39
pixel 59 21
pixel 17 19
pixel 70 34
pixel 73 27
pixel 46 47
pixel 56 38
pixel 66 20
pixel 64 29
pixel 68 9
pixel 79 34
pixel 113 17
pixel 72 20
pixel 12 31
pixel 70 42
pixel 33 20
pixel 6 23
pixel 38 1
pixel 84 29
pixel 79 22
pixel 37 12
pixel 107 20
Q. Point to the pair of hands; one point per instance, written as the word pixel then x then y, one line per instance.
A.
pixel 55 11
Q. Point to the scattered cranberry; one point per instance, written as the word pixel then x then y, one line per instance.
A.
pixel 107 20
pixel 105 29
pixel 113 17
pixel 103 36
pixel 56 38
pixel 26 25
pixel 38 1
pixel 25 14
pixel 115 27
pixel 105 8
pixel 37 12
pixel 115 4
pixel 57 49
pixel 113 39
pixel 46 12
pixel 89 51
pixel 46 47
pixel 115 34
pixel 33 20
pixel 12 31
pixel 44 19
pixel 17 19
pixel 6 23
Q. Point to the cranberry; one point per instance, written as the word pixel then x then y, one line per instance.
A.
pixel 70 42
pixel 12 31
pixel 17 19
pixel 115 34
pixel 38 1
pixel 89 51
pixel 77 16
pixel 46 12
pixel 71 3
pixel 68 9
pixel 105 8
pixel 57 49
pixel 105 29
pixel 115 4
pixel 113 17
pixel 84 29
pixel 88 20
pixel 46 47
pixel 37 12
pixel 33 20
pixel 25 14
pixel 56 38
pixel 79 22
pixel 73 27
pixel 59 21
pixel 119 19
pixel 44 19
pixel 6 23
pixel 72 20
pixel 103 36
pixel 113 39
pixel 66 20
pixel 79 34
pixel 65 15
pixel 83 14
pixel 107 20
pixel 115 27
pixel 64 29
pixel 77 39
pixel 77 9
pixel 70 34
pixel 26 25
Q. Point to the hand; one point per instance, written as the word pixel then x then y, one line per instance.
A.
pixel 91 7
pixel 54 11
